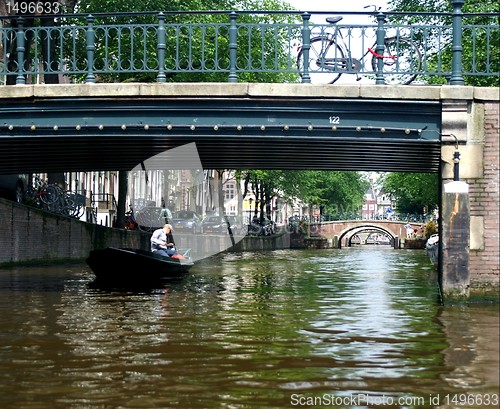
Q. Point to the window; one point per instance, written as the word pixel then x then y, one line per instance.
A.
pixel 229 191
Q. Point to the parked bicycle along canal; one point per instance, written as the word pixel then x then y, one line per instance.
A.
pixel 356 327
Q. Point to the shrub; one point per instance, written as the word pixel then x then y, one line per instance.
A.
pixel 430 229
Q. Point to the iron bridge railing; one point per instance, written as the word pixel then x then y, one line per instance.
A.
pixel 252 46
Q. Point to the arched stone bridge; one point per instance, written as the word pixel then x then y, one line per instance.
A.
pixel 343 230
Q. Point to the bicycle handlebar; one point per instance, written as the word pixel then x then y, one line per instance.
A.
pixel 375 8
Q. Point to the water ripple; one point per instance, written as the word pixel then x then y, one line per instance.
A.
pixel 248 330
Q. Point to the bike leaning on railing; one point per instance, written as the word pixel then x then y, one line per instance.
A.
pixel 52 198
pixel 330 55
pixel 41 194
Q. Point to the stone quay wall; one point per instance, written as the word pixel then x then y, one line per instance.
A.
pixel 32 236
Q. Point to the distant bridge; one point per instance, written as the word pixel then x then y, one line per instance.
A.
pixel 344 230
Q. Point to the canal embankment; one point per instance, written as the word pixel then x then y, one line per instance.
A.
pixel 32 236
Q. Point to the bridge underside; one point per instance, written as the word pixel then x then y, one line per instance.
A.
pixel 83 134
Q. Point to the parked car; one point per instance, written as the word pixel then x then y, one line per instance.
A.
pixel 13 187
pixel 214 224
pixel 219 225
pixel 186 221
pixel 150 218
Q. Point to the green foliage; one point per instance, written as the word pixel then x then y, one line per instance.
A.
pixel 197 44
pixel 430 228
pixel 335 192
pixel 413 192
pixel 480 43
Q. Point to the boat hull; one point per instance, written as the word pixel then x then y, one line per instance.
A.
pixel 133 265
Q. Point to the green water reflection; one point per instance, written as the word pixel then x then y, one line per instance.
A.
pixel 357 327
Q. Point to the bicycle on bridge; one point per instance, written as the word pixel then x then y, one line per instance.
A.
pixel 330 56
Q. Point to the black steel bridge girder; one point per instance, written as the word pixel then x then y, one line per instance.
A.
pixel 83 134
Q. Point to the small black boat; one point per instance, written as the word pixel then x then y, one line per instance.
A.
pixel 125 265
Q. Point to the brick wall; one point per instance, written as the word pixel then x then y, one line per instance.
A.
pixel 484 201
pixel 30 235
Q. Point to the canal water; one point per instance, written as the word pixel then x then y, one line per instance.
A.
pixel 358 327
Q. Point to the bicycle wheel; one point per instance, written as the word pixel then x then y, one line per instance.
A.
pixel 70 206
pixel 30 194
pixel 326 61
pixel 149 219
pixel 404 68
pixel 49 194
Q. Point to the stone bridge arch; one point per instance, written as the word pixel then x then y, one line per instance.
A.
pixel 345 229
pixel 348 234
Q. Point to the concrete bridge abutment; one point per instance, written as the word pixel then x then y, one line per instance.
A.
pixel 470 205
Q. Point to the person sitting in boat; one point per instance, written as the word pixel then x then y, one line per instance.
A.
pixel 162 241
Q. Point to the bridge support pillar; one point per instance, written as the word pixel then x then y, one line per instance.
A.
pixel 396 243
pixel 454 277
pixel 335 241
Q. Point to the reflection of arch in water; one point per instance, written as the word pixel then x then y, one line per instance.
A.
pixel 348 234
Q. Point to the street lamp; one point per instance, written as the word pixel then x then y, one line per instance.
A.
pixel 456 159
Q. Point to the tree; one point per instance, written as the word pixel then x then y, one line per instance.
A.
pixel 191 42
pixel 413 192
pixel 481 44
pixel 332 191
